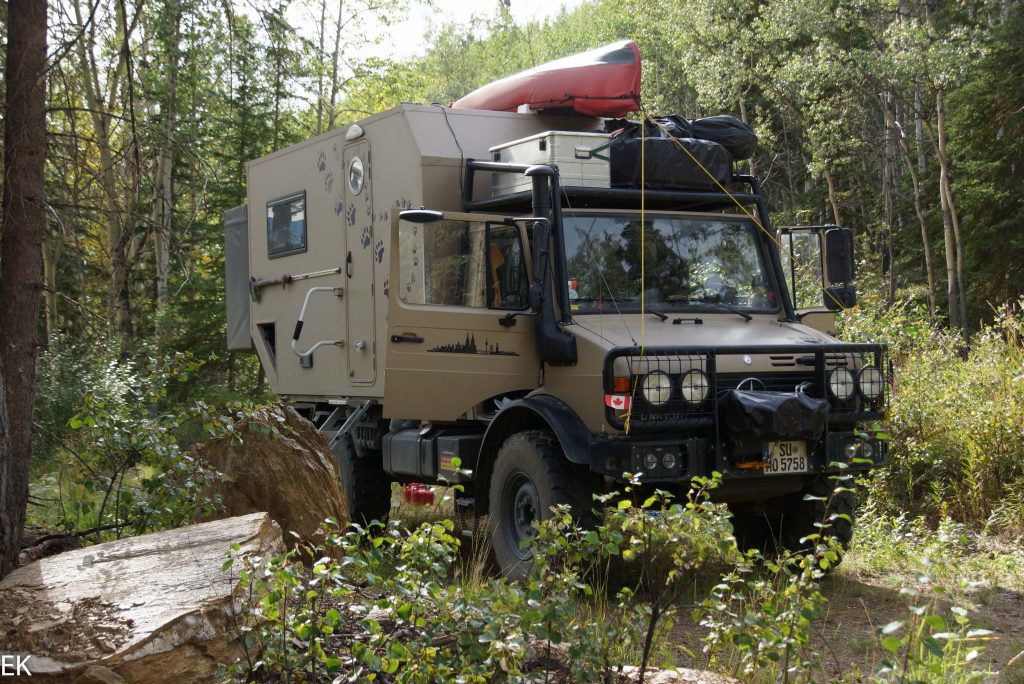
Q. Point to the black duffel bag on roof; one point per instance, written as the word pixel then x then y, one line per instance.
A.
pixel 727 131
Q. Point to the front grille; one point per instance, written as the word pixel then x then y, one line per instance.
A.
pixel 771 382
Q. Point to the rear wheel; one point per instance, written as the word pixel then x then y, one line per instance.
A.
pixel 530 476
pixel 367 487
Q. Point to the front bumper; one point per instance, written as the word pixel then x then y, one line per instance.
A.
pixel 682 441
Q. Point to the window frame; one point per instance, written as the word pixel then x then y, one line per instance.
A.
pixel 518 228
pixel 285 200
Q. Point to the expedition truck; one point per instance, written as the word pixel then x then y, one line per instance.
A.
pixel 465 296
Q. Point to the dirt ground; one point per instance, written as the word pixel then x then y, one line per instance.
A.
pixel 845 636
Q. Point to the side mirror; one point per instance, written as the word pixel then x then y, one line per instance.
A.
pixel 838 255
pixel 840 297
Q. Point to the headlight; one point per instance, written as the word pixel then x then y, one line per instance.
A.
pixel 694 387
pixel 657 388
pixel 841 384
pixel 668 460
pixel 651 461
pixel 871 382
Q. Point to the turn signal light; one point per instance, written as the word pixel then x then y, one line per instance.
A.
pixel 620 385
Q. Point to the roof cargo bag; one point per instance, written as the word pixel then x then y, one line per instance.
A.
pixel 667 166
pixel 728 131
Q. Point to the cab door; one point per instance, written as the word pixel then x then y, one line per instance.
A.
pixel 460 332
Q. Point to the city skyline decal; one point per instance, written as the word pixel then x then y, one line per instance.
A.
pixel 470 347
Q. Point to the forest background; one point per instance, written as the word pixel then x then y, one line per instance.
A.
pixel 901 119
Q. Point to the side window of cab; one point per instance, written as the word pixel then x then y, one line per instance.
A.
pixel 463 263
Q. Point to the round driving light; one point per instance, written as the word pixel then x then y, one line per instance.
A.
pixel 841 384
pixel 668 461
pixel 871 382
pixel 651 461
pixel 867 450
pixel 657 388
pixel 850 451
pixel 694 387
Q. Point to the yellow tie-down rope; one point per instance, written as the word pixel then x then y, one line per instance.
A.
pixel 643 223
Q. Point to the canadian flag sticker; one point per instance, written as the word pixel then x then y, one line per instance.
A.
pixel 619 402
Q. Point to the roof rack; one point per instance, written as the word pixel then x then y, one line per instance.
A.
pixel 611 198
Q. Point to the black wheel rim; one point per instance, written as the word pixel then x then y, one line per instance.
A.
pixel 520 506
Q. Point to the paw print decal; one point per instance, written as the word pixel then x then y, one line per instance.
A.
pixel 321 162
pixel 378 251
pixel 339 204
pixel 329 181
pixel 386 287
pixel 351 215
pixel 367 237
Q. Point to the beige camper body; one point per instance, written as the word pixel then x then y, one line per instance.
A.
pixel 351 179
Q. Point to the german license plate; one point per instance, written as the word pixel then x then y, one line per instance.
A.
pixel 785 457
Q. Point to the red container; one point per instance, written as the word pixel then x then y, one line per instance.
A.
pixel 418 494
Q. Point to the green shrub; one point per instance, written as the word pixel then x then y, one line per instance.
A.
pixel 406 621
pixel 956 418
pixel 118 466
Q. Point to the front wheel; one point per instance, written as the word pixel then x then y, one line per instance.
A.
pixel 801 515
pixel 785 522
pixel 530 476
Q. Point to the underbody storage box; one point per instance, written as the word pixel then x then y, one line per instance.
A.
pixel 581 158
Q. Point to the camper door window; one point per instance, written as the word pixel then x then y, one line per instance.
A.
pixel 286 225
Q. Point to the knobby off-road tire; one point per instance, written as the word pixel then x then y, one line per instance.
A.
pixel 793 518
pixel 367 487
pixel 800 517
pixel 530 476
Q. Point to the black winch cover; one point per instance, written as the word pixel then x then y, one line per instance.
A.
pixel 775 415
pixel 667 167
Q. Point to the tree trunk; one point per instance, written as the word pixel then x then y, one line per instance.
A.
pixel 53 246
pixel 118 231
pixel 949 212
pixel 321 31
pixel 832 200
pixel 743 117
pixel 919 207
pixel 24 223
pixel 163 207
pixel 332 113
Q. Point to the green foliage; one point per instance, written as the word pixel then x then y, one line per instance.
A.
pixel 955 418
pixel 380 603
pixel 118 464
pixel 930 648
pixel 759 616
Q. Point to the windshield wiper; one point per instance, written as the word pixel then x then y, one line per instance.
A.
pixel 730 308
pixel 657 313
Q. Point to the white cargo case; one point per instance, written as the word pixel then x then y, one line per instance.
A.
pixel 582 159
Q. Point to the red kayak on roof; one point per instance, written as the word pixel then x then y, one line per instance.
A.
pixel 601 82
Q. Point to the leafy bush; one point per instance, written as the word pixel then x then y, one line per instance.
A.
pixel 118 464
pixel 380 604
pixel 956 417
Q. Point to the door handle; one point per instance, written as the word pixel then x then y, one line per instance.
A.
pixel 410 337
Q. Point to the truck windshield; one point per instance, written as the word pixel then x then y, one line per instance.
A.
pixel 689 264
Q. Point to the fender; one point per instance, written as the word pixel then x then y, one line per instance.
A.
pixel 541 410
